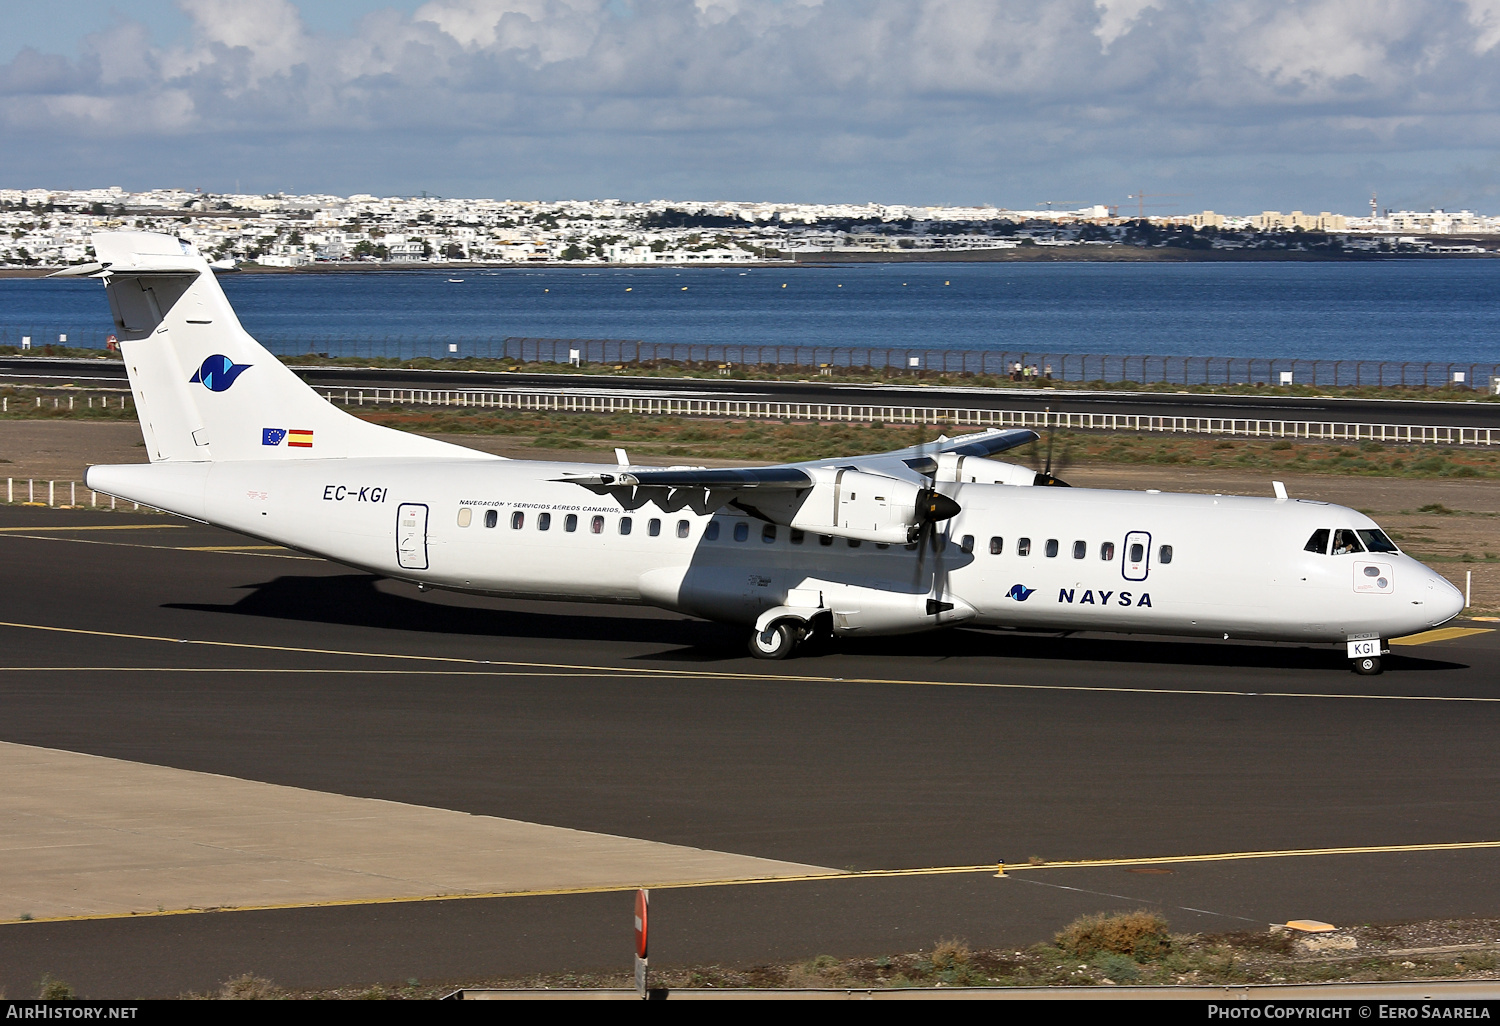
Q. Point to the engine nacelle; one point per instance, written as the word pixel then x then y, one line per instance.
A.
pixel 850 503
pixel 979 470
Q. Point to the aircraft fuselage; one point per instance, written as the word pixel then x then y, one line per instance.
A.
pixel 1026 557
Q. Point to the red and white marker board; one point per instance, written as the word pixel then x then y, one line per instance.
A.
pixel 642 908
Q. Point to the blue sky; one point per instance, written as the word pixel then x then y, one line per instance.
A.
pixel 1234 105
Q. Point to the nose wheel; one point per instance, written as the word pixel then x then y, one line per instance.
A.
pixel 1366 666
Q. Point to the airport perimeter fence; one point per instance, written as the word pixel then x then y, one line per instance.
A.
pixel 959 418
pixel 58 495
pixel 1039 365
pixel 1032 364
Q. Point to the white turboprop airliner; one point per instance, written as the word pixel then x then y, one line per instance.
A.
pixel 899 542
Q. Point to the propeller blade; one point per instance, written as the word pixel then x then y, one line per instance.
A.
pixel 1045 477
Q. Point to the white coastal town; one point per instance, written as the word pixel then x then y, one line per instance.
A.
pixel 48 227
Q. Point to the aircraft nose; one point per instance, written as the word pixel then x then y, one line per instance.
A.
pixel 1446 601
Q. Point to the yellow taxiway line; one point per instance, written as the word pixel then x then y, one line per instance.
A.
pixel 552 669
pixel 239 550
pixel 1441 634
pixel 100 527
pixel 864 874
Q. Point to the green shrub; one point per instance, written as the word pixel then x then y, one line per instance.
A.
pixel 1120 968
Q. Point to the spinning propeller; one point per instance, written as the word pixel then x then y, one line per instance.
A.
pixel 1044 475
pixel 932 507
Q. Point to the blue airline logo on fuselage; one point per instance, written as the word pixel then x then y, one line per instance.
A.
pixel 1020 592
pixel 218 372
pixel 1088 598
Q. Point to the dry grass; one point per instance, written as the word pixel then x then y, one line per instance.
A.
pixel 950 954
pixel 1140 935
pixel 249 988
pixel 51 989
pixel 1419 950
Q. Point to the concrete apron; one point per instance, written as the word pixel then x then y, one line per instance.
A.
pixel 82 835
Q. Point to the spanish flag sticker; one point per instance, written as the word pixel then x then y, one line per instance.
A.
pixel 299 439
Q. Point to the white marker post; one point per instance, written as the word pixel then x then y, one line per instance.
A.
pixel 642 906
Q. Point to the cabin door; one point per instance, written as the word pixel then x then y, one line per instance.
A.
pixel 411 536
pixel 1135 561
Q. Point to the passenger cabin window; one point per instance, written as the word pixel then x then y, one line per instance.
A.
pixel 798 536
pixel 768 533
pixel 997 545
pixel 1107 551
pixel 1164 554
pixel 1137 552
pixel 683 528
pixel 596 526
pixel 1023 547
pixel 544 521
pixel 491 517
pixel 741 531
pixel 967 544
pixel 1376 541
pixel 1080 549
pixel 517 520
pixel 625 525
pixel 711 532
pixel 1346 541
pixel 653 527
pixel 1051 548
pixel 1318 542
pixel 464 514
pixel 570 522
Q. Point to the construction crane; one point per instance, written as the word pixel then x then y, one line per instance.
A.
pixel 1142 196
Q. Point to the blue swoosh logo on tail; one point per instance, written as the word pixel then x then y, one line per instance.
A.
pixel 218 372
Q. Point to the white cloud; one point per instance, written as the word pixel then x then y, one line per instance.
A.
pixel 911 88
pixel 1117 17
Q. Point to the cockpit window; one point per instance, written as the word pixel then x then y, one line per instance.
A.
pixel 1318 542
pixel 1376 541
pixel 1346 541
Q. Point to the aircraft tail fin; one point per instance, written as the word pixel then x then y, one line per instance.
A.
pixel 205 390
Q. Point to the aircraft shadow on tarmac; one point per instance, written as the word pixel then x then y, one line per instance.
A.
pixel 355 600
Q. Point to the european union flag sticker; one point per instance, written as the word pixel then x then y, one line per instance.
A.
pixel 272 436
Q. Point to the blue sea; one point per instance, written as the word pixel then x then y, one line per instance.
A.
pixel 1437 310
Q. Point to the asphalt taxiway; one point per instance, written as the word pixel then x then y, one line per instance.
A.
pixel 854 801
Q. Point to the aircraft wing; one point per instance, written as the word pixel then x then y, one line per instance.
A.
pixel 897 483
pixel 911 463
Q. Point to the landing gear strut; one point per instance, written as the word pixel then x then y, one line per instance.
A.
pixel 1366 666
pixel 776 641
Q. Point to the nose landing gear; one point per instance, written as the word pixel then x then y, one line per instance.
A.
pixel 1366 666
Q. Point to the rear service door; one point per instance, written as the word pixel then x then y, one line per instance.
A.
pixel 1135 561
pixel 411 536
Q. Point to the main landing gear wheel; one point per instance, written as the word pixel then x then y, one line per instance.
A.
pixel 1367 667
pixel 775 642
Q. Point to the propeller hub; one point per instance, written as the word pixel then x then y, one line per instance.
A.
pixel 933 506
